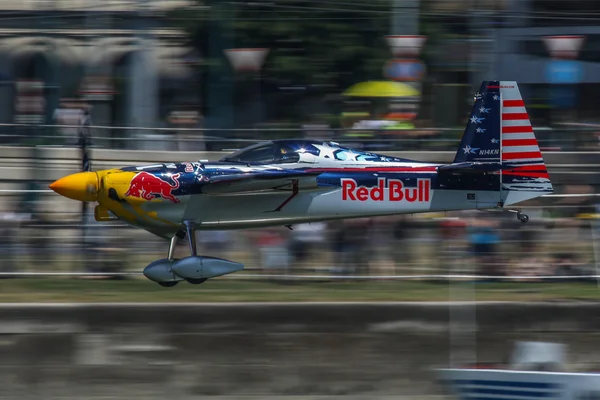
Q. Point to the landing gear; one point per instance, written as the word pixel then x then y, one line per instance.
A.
pixel 196 281
pixel 190 233
pixel 168 262
pixel 168 284
pixel 172 246
pixel 190 228
pixel 194 269
pixel 520 216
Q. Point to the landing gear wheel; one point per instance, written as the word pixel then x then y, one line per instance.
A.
pixel 523 218
pixel 196 281
pixel 167 284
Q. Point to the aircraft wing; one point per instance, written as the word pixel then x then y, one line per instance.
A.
pixel 255 181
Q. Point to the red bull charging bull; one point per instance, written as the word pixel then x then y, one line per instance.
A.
pixel 147 186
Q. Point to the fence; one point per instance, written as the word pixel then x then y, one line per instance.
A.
pixel 555 243
pixel 199 139
pixel 460 245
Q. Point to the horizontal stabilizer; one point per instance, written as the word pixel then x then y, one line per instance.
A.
pixel 472 167
pixel 261 181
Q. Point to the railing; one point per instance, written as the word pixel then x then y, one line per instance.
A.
pixel 57 245
pixel 428 247
pixel 123 137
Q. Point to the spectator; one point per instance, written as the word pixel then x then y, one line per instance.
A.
pixel 305 240
pixel 357 239
pixel 484 242
pixel 402 254
pixel 274 254
pixel 68 114
pixel 340 248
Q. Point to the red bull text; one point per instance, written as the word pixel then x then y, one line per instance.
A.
pixel 147 186
pixel 394 191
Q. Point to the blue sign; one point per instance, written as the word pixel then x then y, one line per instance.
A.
pixel 563 96
pixel 404 70
pixel 564 72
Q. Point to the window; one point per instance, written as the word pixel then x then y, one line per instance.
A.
pixel 270 153
pixel 287 155
pixel 264 153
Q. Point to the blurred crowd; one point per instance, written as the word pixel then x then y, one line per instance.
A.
pixel 481 243
pixel 469 242
pixel 356 84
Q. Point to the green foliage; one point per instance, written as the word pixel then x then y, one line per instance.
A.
pixel 233 290
pixel 333 44
pixel 321 48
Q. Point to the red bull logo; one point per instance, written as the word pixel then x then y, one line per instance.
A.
pixel 147 186
pixel 394 191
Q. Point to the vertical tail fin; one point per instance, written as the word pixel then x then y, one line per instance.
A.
pixel 499 130
pixel 481 140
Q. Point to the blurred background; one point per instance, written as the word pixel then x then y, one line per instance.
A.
pixel 109 83
pixel 150 81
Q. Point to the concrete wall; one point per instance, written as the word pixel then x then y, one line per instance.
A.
pixel 185 350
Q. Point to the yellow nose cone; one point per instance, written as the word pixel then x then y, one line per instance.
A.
pixel 82 186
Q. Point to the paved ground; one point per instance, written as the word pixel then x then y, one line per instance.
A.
pixel 269 351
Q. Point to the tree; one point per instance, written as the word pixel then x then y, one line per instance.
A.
pixel 323 47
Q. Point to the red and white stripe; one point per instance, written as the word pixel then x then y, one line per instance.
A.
pixel 518 140
pixel 520 148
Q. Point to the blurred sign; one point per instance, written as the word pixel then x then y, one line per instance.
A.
pixel 403 110
pixel 97 88
pixel 247 59
pixel 184 117
pixel 30 104
pixel 406 45
pixel 404 70
pixel 563 96
pixel 564 46
pixel 564 71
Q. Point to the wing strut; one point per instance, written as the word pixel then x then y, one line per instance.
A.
pixel 294 194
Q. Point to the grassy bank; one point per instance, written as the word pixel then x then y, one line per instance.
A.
pixel 224 290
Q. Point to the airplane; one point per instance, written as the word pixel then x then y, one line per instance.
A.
pixel 287 182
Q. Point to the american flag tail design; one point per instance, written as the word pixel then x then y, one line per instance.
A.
pixel 499 131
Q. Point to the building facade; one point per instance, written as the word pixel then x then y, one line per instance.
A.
pixel 119 57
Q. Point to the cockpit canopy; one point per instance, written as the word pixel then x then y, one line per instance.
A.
pixel 265 153
pixel 290 151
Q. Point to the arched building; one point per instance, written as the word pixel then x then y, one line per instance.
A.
pixel 130 68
